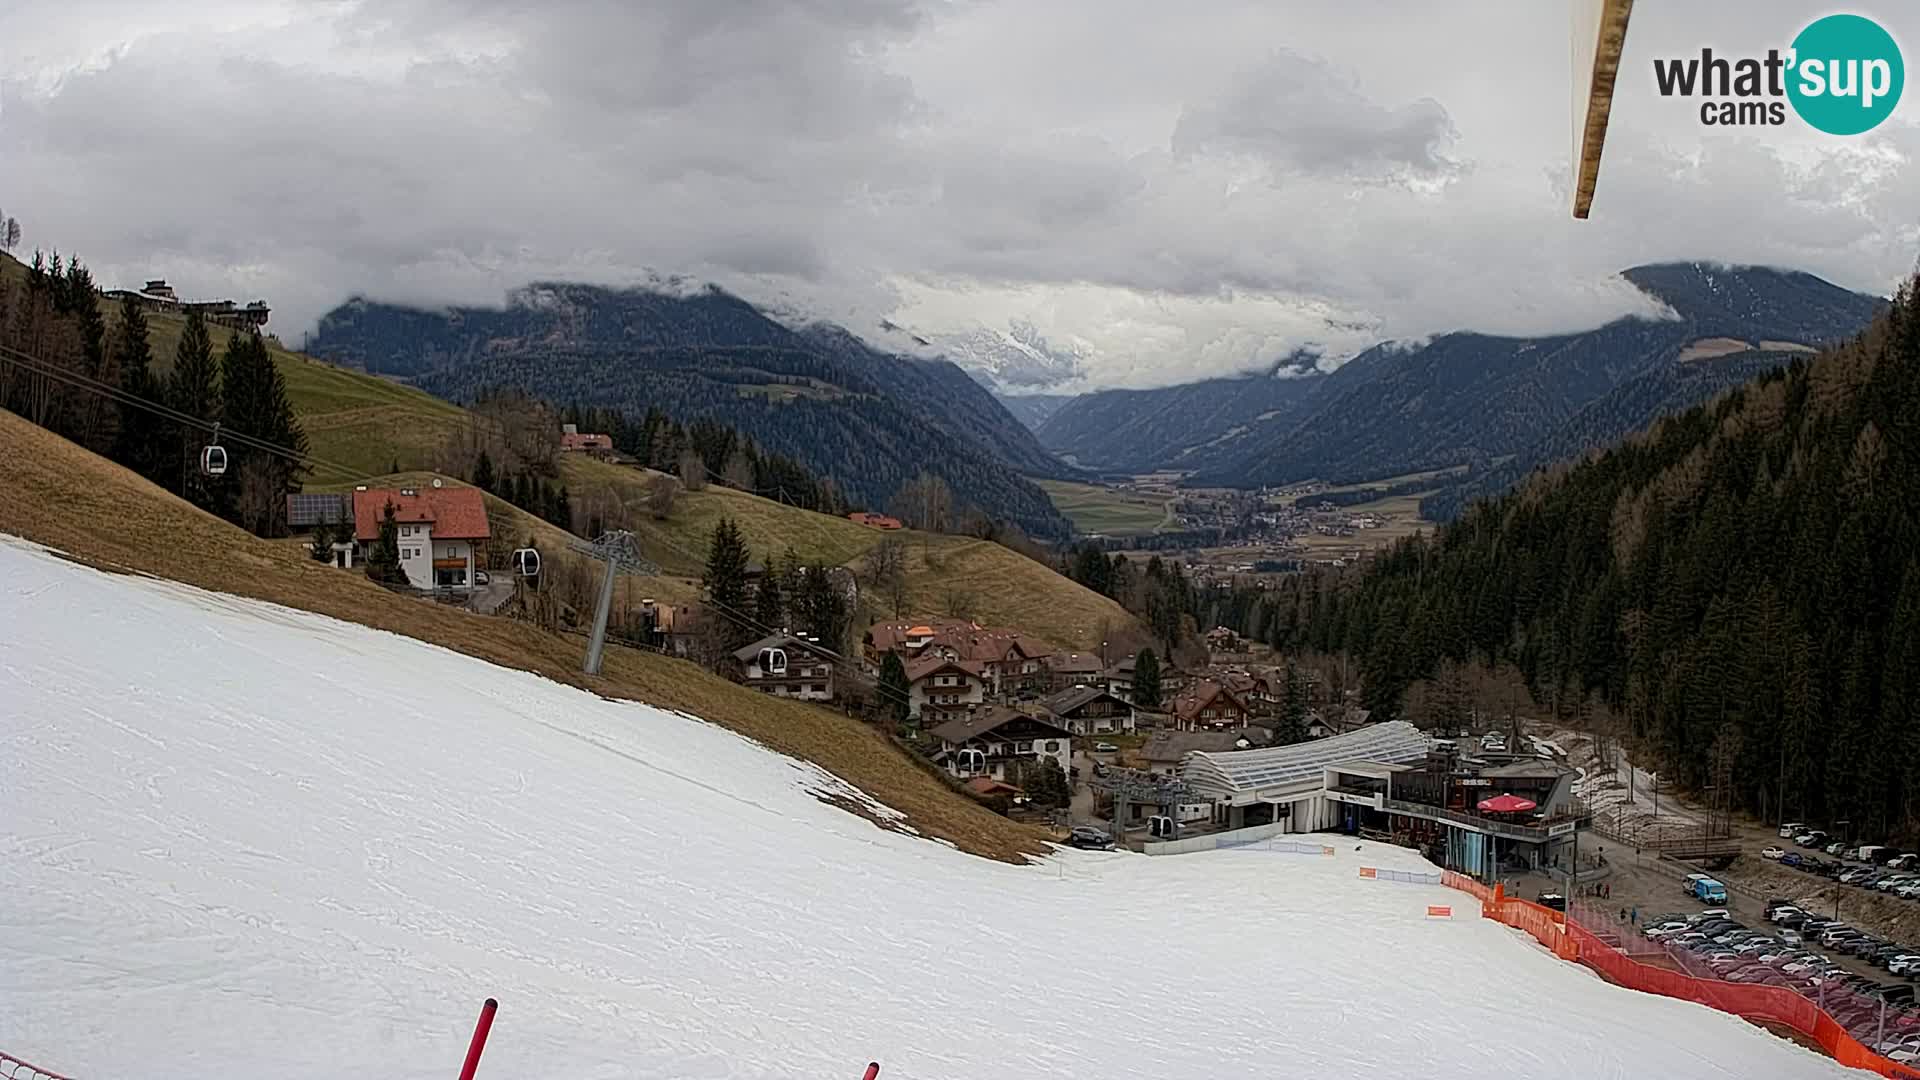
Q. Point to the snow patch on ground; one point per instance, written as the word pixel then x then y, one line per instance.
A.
pixel 240 840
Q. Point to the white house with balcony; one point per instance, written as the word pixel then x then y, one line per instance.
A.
pixel 991 740
pixel 441 531
pixel 938 688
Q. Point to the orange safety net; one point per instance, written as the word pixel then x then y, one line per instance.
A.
pixel 1762 1004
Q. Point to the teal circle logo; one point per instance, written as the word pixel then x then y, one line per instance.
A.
pixel 1846 74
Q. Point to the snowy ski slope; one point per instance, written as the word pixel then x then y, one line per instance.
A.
pixel 239 840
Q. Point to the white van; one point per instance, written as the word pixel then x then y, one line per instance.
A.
pixel 1794 828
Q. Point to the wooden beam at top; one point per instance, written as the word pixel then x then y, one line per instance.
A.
pixel 1606 65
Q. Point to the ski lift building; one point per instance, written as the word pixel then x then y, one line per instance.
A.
pixel 787 665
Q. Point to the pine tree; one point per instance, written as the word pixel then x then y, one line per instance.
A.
pixel 1293 709
pixel 194 389
pixel 483 473
pixel 769 605
pixel 255 402
pixel 383 559
pixel 726 581
pixel 321 547
pixel 894 690
pixel 822 607
pixel 1146 680
pixel 143 443
pixel 563 509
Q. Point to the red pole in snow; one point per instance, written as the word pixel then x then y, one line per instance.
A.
pixel 873 1070
pixel 479 1039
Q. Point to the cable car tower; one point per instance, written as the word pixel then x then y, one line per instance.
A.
pixel 621 556
pixel 1599 36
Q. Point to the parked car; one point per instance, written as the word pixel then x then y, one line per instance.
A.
pixel 1791 859
pixel 1835 848
pixel 1105 748
pixel 1782 912
pixel 1791 829
pixel 1773 853
pixel 1089 837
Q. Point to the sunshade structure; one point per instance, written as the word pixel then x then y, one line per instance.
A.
pixel 1507 804
pixel 1599 36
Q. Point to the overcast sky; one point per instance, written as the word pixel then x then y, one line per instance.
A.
pixel 1171 189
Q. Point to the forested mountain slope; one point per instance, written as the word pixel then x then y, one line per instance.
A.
pixel 1742 582
pixel 1479 399
pixel 1632 406
pixel 1135 431
pixel 870 420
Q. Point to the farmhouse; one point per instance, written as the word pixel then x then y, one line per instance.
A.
pixel 938 687
pixel 874 521
pixel 1209 706
pixel 439 531
pixel 992 739
pixel 786 665
pixel 1089 710
pixel 574 441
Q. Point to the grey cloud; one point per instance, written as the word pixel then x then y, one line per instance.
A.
pixel 1149 185
pixel 1301 114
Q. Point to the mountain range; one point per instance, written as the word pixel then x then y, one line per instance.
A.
pixel 1499 406
pixel 1739 585
pixel 868 419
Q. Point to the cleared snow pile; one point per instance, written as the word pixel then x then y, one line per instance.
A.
pixel 247 841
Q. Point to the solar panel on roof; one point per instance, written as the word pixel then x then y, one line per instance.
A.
pixel 309 509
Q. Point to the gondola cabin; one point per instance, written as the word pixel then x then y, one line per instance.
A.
pixel 213 460
pixel 787 665
pixel 526 563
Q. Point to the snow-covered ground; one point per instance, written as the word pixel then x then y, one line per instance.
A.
pixel 238 840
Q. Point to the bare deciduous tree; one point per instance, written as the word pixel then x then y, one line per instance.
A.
pixel 739 471
pixel 660 496
pixel 693 470
pixel 887 570
pixel 960 602
pixel 925 503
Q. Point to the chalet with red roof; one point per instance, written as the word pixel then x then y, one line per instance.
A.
pixel 441 531
pixel 938 688
pixel 574 441
pixel 1209 706
pixel 874 521
pixel 1010 662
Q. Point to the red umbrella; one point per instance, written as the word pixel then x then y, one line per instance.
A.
pixel 1506 804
